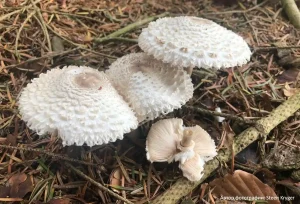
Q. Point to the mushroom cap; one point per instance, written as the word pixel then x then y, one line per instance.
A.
pixel 162 140
pixel 150 86
pixel 164 143
pixel 204 144
pixel 169 132
pixel 193 42
pixel 192 168
pixel 80 103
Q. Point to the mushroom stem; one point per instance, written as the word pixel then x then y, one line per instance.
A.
pixel 189 70
pixel 187 138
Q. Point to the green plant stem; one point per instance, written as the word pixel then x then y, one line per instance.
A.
pixel 129 28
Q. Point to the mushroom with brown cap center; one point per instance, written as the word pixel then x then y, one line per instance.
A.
pixel 79 103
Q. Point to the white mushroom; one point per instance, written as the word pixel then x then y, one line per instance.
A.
pixel 151 87
pixel 192 169
pixel 168 140
pixel 80 103
pixel 219 118
pixel 162 140
pixel 188 41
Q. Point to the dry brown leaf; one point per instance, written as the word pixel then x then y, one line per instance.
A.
pixel 288 75
pixel 288 91
pixel 243 186
pixel 88 37
pixel 116 178
pixel 17 186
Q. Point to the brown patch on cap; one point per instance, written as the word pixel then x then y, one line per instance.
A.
pixel 88 80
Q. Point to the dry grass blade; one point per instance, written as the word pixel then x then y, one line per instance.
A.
pixel 129 28
pixel 50 154
pixel 20 30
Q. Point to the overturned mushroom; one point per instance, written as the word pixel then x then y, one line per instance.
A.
pixel 190 42
pixel 191 146
pixel 79 103
pixel 151 87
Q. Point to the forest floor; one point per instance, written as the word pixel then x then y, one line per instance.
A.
pixel 39 35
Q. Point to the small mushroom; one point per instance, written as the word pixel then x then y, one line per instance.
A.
pixel 192 169
pixel 79 103
pixel 191 146
pixel 162 140
pixel 188 41
pixel 150 86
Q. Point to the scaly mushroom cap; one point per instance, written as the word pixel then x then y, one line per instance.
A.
pixel 80 103
pixel 168 140
pixel 150 86
pixel 193 42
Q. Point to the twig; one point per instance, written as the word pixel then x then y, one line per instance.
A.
pixel 215 113
pixel 128 28
pixel 265 125
pixel 268 48
pixel 123 39
pixel 74 15
pixel 65 39
pixel 9 14
pixel 54 54
pixel 20 30
pixel 43 24
pixel 49 154
pixel 292 11
pixel 17 11
pixel 98 53
pixel 251 26
pixel 99 185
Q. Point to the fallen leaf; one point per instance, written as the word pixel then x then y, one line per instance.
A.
pixel 243 186
pixel 288 91
pixel 14 183
pixel 17 186
pixel 288 75
pixel 116 178
pixel 88 37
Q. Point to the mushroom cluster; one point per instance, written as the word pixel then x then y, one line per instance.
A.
pixel 191 146
pixel 87 106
